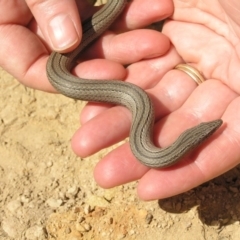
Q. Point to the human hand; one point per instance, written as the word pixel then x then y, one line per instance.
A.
pixel 206 35
pixel 31 29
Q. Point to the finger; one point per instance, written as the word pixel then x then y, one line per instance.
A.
pixel 89 138
pixel 118 167
pixel 129 47
pixel 24 56
pixel 100 69
pixel 61 23
pixel 15 12
pixel 218 156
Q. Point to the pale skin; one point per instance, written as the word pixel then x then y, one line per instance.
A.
pixel 202 34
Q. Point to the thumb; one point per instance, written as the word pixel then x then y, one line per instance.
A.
pixel 59 22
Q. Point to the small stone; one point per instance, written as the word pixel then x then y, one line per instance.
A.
pixel 80 228
pixel 234 189
pixel 87 227
pixel 80 219
pixel 13 206
pixel 72 192
pixel 49 164
pixel 142 213
pixel 61 195
pixel 24 199
pixel 35 232
pixel 31 205
pixel 54 203
pixel 87 209
pixel 132 232
pixel 67 230
pixel 51 114
pixel 97 201
pixel 9 227
pixel 149 218
pixel 110 220
pixel 76 210
pixel 120 236
pixel 215 224
pixel 224 221
pixel 7 115
pixel 188 225
pixel 109 194
pixel 76 238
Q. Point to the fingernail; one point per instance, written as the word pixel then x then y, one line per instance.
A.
pixel 62 32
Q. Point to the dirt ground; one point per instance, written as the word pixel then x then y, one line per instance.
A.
pixel 47 192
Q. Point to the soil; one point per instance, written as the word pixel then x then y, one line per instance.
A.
pixel 47 192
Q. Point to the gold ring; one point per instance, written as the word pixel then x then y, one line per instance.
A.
pixel 191 72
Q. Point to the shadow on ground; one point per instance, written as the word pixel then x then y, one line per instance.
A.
pixel 217 201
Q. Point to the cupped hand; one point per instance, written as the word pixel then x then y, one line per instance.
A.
pixel 203 34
